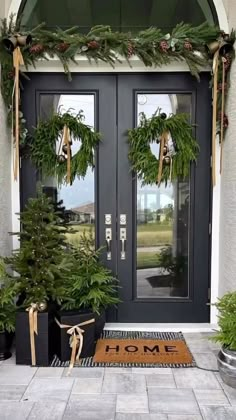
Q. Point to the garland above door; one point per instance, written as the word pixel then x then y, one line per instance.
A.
pixel 198 47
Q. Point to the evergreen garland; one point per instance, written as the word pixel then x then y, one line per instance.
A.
pixel 154 48
pixel 43 145
pixel 143 161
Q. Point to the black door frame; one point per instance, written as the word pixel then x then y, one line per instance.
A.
pixel 195 308
pixel 104 87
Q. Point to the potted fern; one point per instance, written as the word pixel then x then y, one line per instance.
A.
pixel 226 336
pixel 8 292
pixel 89 290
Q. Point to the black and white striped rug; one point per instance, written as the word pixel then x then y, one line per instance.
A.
pixel 88 362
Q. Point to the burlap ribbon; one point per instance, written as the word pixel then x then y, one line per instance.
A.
pixel 214 114
pixel 33 327
pixel 17 62
pixel 163 142
pixel 76 339
pixel 65 140
pixel 222 114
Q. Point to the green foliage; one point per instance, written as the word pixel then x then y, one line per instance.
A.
pixel 227 321
pixel 42 261
pixel 44 141
pixel 8 291
pixel 143 161
pixel 175 266
pixel 109 47
pixel 90 285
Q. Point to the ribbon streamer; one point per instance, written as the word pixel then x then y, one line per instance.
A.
pixel 222 114
pixel 17 62
pixel 33 327
pixel 66 141
pixel 214 115
pixel 76 340
pixel 163 142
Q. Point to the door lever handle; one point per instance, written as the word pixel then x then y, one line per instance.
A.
pixel 123 242
pixel 108 236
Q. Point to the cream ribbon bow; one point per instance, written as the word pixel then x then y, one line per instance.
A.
pixel 33 327
pixel 76 340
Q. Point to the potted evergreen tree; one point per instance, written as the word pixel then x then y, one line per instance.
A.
pixel 42 264
pixel 90 289
pixel 8 292
pixel 226 336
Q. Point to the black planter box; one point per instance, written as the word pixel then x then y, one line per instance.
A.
pixel 73 318
pixel 5 345
pixel 45 342
pixel 99 324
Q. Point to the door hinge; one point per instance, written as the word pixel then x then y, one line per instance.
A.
pixel 210 229
pixel 211 162
pixel 20 162
pixel 209 293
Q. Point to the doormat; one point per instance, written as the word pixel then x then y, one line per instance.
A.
pixel 137 349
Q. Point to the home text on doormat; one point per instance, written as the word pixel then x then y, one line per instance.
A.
pixel 142 351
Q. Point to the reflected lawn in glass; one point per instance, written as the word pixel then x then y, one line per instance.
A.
pixel 74 238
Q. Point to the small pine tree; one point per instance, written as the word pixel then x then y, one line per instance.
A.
pixel 42 261
pixel 90 285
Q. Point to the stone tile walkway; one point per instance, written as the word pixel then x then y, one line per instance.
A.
pixel 119 393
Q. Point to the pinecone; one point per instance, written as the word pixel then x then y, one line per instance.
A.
pixel 36 49
pixel 62 47
pixel 188 46
pixel 130 49
pixel 225 120
pixel 11 74
pixel 220 86
pixel 228 61
pixel 93 45
pixel 164 46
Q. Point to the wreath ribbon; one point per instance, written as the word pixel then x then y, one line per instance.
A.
pixel 76 340
pixel 163 142
pixel 33 327
pixel 66 141
pixel 17 62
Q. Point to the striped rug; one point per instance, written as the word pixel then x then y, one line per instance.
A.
pixel 186 360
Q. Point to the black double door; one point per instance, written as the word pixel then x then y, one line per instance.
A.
pixel 156 239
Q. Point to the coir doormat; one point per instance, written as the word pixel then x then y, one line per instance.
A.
pixel 138 349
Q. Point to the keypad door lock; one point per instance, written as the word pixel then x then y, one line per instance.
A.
pixel 123 243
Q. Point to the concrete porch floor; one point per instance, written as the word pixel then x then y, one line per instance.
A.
pixel 119 393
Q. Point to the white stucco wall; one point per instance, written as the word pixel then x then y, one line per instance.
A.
pixel 228 183
pixel 5 170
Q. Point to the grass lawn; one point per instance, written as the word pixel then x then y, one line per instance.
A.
pixel 147 260
pixel 154 234
pixel 148 235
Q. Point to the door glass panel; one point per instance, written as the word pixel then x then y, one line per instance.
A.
pixel 77 200
pixel 162 213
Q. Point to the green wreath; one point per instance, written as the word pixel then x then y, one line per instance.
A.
pixel 176 159
pixel 44 146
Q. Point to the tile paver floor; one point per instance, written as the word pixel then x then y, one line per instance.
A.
pixel 119 393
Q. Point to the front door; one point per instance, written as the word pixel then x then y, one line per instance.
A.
pixel 157 239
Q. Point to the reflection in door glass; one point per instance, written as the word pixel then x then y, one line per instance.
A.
pixel 76 200
pixel 163 218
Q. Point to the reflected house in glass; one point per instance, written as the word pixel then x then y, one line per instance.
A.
pixel 82 214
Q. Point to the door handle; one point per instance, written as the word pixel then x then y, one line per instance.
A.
pixel 108 236
pixel 123 243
